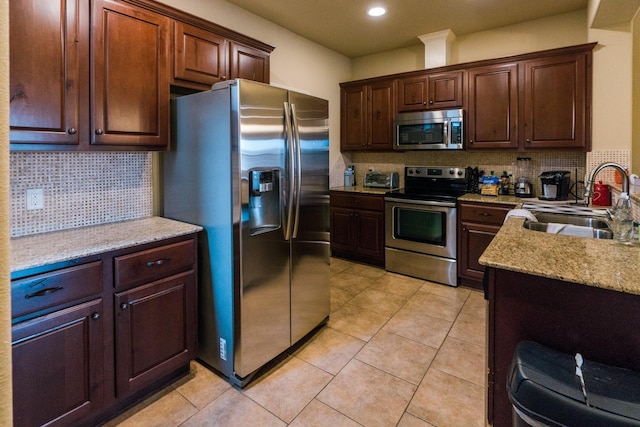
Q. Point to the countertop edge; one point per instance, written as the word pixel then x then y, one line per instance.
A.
pixel 40 250
pixel 604 264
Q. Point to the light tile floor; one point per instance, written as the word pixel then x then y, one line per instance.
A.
pixel 397 351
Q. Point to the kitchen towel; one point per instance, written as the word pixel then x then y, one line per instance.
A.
pixel 521 213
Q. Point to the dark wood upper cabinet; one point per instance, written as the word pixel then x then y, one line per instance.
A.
pixel 96 75
pixel 557 102
pixel 199 56
pixel 430 91
pixel 367 112
pixel 49 54
pixel 246 62
pixel 492 107
pixel 130 77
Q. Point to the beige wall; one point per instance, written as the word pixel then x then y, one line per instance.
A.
pixel 612 68
pixel 6 406
pixel 296 62
pixel 557 31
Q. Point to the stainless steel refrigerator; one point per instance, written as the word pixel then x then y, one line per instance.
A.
pixel 249 162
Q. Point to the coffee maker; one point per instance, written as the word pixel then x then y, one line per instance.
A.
pixel 555 185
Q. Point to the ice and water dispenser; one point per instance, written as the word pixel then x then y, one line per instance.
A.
pixel 264 201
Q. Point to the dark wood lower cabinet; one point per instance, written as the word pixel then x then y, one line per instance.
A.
pixel 58 366
pixel 571 318
pixel 478 223
pixel 91 339
pixel 357 227
pixel 154 330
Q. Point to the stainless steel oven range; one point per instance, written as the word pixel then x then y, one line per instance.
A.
pixel 420 223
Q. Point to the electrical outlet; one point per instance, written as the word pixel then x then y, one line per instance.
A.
pixel 35 199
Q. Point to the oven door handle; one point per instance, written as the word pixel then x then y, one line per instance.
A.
pixel 420 202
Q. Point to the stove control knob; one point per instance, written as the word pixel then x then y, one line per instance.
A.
pixel 417 171
pixel 451 171
pixel 459 173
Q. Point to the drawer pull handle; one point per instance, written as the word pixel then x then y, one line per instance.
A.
pixel 158 262
pixel 44 292
pixel 95 316
pixel 486 214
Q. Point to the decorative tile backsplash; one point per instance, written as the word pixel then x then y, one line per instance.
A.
pixel 80 189
pixel 496 161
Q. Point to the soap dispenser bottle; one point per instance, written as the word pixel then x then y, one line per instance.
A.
pixel 622 217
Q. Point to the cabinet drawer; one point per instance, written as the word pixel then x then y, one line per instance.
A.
pixel 484 214
pixel 144 266
pixel 359 201
pixel 55 288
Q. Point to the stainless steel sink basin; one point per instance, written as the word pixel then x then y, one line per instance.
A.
pixel 585 226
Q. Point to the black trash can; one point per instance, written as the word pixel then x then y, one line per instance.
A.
pixel 544 390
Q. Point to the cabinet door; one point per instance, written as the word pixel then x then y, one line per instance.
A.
pixel 474 239
pixel 155 331
pixel 353 122
pixel 58 366
pixel 370 228
pixel 431 91
pixel 342 230
pixel 412 93
pixel 48 71
pixel 248 63
pixel 492 108
pixel 444 90
pixel 130 76
pixel 556 103
pixel 199 56
pixel 381 115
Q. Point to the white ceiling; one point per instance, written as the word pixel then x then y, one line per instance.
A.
pixel 345 27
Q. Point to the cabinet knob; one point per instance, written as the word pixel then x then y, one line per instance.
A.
pixel 99 131
pixel 431 101
pixel 124 306
pixel 471 141
pixel 72 131
pixel 528 140
pixel 95 316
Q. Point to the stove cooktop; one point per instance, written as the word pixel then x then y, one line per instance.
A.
pixel 433 183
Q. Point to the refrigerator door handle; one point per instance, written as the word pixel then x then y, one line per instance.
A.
pixel 298 170
pixel 290 171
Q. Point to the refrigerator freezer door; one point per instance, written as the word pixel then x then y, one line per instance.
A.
pixel 263 303
pixel 310 298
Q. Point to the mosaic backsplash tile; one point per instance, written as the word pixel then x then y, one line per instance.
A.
pixel 80 189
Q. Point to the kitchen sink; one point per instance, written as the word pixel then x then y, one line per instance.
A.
pixel 572 225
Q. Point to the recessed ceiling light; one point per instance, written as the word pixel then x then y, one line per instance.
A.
pixel 377 11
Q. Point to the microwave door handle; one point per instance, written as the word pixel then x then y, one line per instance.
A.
pixel 291 169
pixel 447 123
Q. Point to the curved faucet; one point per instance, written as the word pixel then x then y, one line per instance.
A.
pixel 588 186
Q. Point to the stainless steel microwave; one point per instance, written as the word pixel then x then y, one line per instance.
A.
pixel 429 130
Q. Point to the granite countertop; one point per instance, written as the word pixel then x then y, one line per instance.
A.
pixel 361 189
pixel 479 198
pixel 48 248
pixel 600 263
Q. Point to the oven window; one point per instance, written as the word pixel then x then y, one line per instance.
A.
pixel 419 225
pixel 427 133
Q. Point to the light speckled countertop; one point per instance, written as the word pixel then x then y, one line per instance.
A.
pixel 49 248
pixel 361 189
pixel 479 198
pixel 593 262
